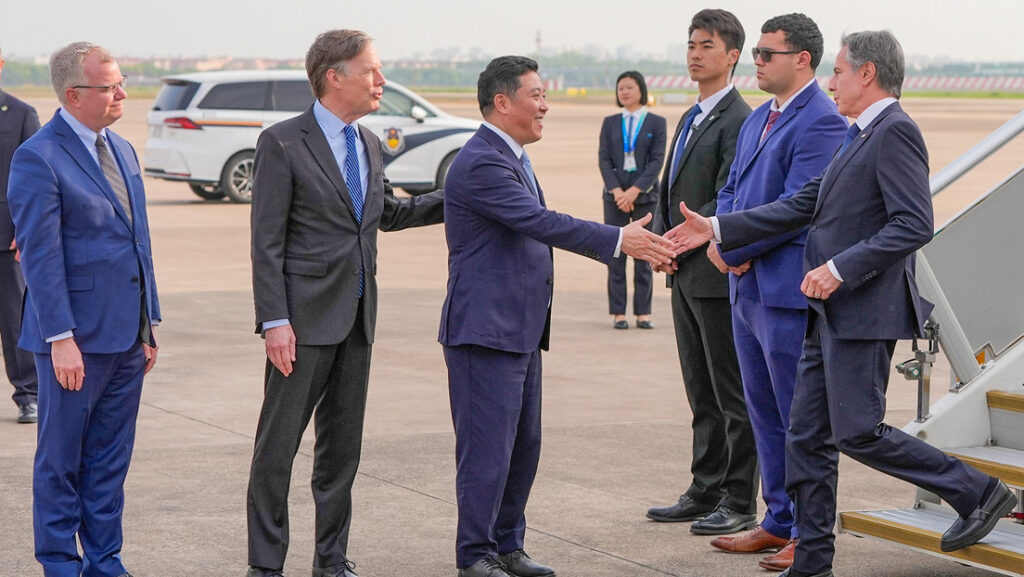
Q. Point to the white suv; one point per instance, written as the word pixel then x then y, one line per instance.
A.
pixel 203 129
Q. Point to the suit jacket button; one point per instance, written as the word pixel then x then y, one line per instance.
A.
pixel 135 280
pixel 550 280
pixel 814 227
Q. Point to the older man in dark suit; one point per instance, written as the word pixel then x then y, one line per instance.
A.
pixel 319 196
pixel 18 121
pixel 497 315
pixel 869 212
pixel 724 462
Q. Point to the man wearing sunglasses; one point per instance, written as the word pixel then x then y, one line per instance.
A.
pixel 783 144
pixel 79 211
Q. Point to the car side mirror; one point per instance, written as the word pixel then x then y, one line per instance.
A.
pixel 418 113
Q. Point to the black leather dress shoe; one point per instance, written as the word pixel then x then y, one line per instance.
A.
pixel 343 569
pixel 644 325
pixel 28 413
pixel 519 564
pixel 722 522
pixel 685 509
pixel 485 568
pixel 263 572
pixel 791 573
pixel 621 325
pixel 996 503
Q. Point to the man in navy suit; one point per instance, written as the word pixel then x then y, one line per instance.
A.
pixel 497 313
pixel 869 212
pixel 18 121
pixel 783 143
pixel 723 465
pixel 79 211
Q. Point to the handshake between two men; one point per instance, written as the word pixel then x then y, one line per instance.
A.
pixel 697 229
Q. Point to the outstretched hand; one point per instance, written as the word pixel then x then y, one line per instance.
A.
pixel 692 233
pixel 643 244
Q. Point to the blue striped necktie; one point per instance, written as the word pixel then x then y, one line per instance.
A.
pixel 851 134
pixel 681 143
pixel 529 173
pixel 354 183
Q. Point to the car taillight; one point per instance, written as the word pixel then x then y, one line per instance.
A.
pixel 182 122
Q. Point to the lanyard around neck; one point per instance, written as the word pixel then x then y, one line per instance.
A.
pixel 629 140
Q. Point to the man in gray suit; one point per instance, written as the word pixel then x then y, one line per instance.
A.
pixel 18 121
pixel 319 196
pixel 724 465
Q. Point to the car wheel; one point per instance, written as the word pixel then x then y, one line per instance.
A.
pixel 236 178
pixel 442 171
pixel 207 191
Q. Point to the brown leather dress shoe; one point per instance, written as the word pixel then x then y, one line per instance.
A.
pixel 780 561
pixel 755 541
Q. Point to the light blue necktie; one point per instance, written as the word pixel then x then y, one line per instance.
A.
pixel 354 183
pixel 529 173
pixel 677 155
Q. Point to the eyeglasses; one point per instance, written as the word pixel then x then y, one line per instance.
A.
pixel 767 53
pixel 108 87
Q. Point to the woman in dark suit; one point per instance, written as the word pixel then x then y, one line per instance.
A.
pixel 630 156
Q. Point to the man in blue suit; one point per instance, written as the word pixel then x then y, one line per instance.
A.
pixel 497 314
pixel 18 121
pixel 869 212
pixel 784 143
pixel 79 211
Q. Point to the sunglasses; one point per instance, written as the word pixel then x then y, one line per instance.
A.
pixel 767 53
pixel 107 88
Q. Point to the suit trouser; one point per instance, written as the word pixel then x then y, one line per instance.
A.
pixel 768 344
pixel 724 464
pixel 496 400
pixel 329 382
pixel 839 404
pixel 21 367
pixel 642 277
pixel 85 441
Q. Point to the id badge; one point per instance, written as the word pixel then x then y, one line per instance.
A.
pixel 629 162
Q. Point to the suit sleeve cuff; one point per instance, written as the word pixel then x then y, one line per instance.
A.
pixel 275 323
pixel 618 245
pixel 64 335
pixel 832 269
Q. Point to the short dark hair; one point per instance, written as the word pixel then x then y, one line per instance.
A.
pixel 725 24
pixel 639 82
pixel 801 34
pixel 881 48
pixel 333 49
pixel 501 77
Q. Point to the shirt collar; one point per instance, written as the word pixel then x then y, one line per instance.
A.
pixel 84 132
pixel 871 112
pixel 329 123
pixel 517 149
pixel 635 114
pixel 709 103
pixel 789 101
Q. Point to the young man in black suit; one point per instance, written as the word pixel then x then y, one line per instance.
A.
pixel 724 465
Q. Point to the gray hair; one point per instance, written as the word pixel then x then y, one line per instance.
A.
pixel 332 50
pixel 881 48
pixel 66 66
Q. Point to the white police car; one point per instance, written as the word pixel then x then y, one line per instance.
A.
pixel 203 129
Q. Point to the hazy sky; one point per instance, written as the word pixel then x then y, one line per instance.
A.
pixel 986 30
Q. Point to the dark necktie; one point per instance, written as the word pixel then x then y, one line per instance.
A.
pixel 529 173
pixel 677 153
pixel 851 134
pixel 113 175
pixel 773 115
pixel 354 183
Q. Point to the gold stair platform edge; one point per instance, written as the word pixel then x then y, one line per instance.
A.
pixel 1006 400
pixel 1010 474
pixel 980 554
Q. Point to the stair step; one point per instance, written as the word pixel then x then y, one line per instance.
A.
pixel 1002 462
pixel 1006 400
pixel 1002 550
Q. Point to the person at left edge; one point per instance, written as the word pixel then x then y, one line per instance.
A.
pixel 319 196
pixel 630 155
pixel 80 222
pixel 18 121
pixel 497 314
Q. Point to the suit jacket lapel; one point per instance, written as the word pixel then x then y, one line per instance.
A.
pixel 841 160
pixel 787 115
pixel 516 163
pixel 373 155
pixel 324 156
pixel 700 130
pixel 72 144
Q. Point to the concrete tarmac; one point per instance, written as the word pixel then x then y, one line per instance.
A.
pixel 616 435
